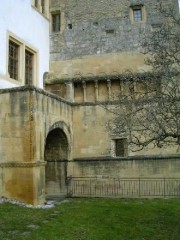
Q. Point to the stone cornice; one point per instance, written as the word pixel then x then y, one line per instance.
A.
pixel 22 164
pixel 119 76
pixel 124 76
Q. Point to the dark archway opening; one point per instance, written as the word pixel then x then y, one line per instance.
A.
pixel 56 155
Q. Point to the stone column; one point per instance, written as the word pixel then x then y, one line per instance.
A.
pixel 84 90
pixel 121 85
pixel 46 8
pixel 96 91
pixel 70 91
pixel 109 89
pixel 39 5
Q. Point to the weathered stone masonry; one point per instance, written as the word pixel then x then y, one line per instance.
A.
pixel 46 138
pixel 100 36
pixel 27 116
pixel 100 27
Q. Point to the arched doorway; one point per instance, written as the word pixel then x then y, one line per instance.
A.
pixel 56 155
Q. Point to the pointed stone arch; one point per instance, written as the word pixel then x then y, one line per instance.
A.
pixel 57 152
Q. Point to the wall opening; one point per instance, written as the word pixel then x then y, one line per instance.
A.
pixel 56 155
pixel 119 147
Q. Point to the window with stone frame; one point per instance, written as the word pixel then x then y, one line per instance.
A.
pixel 13 61
pixel 22 61
pixel 56 21
pixel 29 65
pixel 137 14
pixel 121 147
pixel 42 6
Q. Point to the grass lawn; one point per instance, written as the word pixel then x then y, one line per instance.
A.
pixel 93 219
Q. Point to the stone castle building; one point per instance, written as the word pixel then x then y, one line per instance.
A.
pixel 59 63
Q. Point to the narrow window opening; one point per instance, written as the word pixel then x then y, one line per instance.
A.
pixel 43 6
pixel 56 22
pixel 70 26
pixel 28 68
pixel 36 3
pixel 13 60
pixel 110 31
pixel 121 147
pixel 137 14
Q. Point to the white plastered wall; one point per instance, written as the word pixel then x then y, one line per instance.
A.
pixel 19 19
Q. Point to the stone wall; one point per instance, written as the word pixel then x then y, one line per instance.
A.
pixel 53 135
pixel 15 122
pixel 31 120
pixel 20 173
pixel 94 100
pixel 50 112
pixel 100 27
pixel 93 138
pixel 134 167
pixel 140 177
pixel 100 36
pixel 99 89
pixel 28 115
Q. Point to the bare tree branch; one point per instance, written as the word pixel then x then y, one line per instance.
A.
pixel 148 111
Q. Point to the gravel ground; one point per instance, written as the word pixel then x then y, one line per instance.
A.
pixel 48 204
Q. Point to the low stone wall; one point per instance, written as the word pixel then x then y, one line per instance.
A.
pixel 133 177
pixel 103 176
pixel 132 167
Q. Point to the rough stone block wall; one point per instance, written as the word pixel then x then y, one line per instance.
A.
pixel 100 36
pixel 100 27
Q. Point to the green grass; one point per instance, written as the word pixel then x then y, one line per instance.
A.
pixel 93 219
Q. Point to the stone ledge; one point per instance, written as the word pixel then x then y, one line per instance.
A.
pixel 130 158
pixel 119 76
pixel 22 165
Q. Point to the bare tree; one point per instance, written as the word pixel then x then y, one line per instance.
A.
pixel 162 45
pixel 148 117
pixel 149 113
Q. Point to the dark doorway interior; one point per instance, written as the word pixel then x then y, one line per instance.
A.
pixel 56 155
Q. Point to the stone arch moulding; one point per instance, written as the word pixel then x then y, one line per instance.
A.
pixel 67 131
